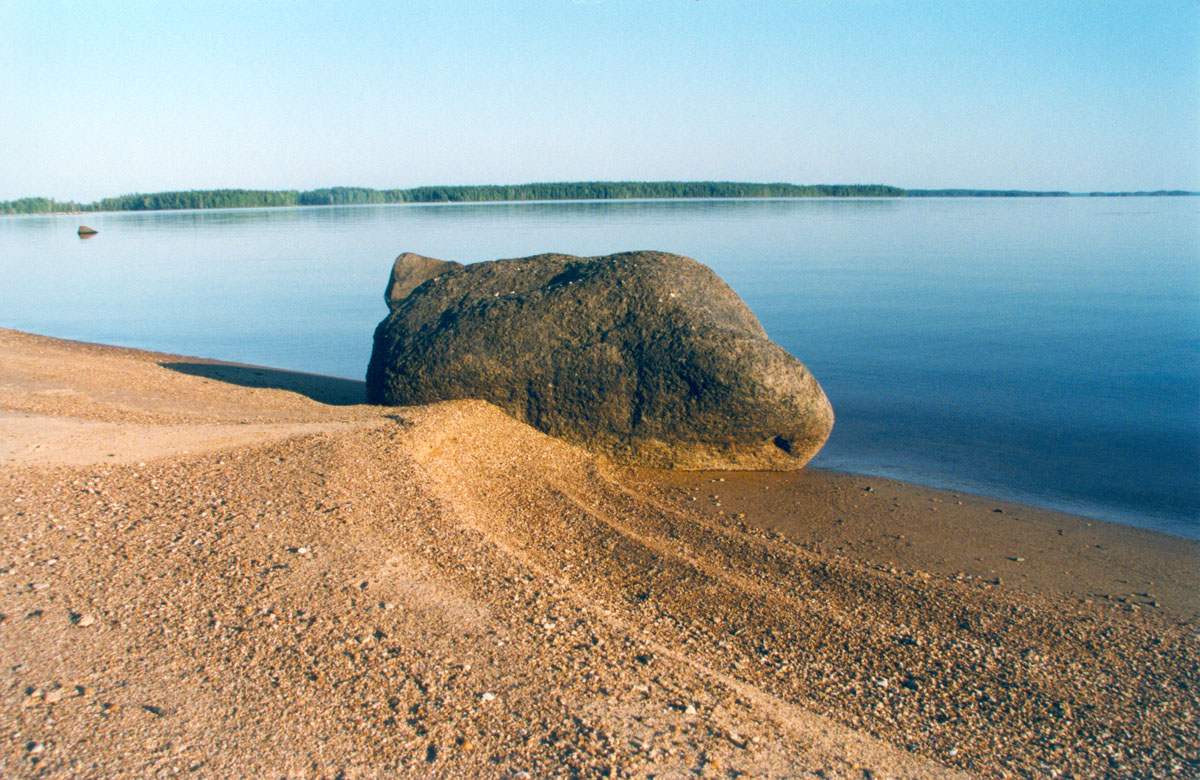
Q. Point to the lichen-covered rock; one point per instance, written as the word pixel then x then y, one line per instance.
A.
pixel 646 356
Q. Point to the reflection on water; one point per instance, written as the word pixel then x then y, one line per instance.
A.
pixel 1045 350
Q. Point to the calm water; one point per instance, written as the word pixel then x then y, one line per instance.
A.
pixel 1044 350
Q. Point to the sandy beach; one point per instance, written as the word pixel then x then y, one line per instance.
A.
pixel 216 570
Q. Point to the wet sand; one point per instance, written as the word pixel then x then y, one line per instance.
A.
pixel 230 571
pixel 890 524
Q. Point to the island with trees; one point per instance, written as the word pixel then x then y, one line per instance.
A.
pixel 588 190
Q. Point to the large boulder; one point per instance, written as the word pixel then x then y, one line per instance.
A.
pixel 646 356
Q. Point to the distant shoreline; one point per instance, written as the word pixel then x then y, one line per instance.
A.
pixel 504 193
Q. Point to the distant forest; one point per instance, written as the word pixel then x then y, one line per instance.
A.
pixel 590 190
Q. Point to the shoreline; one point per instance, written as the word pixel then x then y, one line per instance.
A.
pixel 338 390
pixel 891 524
pixel 923 194
pixel 236 570
pixel 841 509
pixel 1177 526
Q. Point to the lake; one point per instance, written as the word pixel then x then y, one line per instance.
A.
pixel 1044 350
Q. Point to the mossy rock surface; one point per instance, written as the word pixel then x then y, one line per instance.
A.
pixel 646 356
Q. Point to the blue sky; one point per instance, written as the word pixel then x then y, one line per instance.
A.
pixel 103 98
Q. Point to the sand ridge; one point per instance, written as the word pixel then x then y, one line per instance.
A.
pixel 344 590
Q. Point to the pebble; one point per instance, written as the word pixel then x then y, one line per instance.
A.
pixel 86 620
pixel 489 696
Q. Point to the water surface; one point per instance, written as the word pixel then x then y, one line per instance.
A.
pixel 1043 350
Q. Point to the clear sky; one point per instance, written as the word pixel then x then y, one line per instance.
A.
pixel 105 98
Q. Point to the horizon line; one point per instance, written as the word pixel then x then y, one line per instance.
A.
pixel 445 192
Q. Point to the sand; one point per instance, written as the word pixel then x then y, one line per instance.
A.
pixel 228 571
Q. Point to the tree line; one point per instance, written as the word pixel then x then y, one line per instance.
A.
pixel 588 190
pixel 38 206
pixel 347 196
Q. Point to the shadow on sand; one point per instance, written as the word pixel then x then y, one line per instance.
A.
pixel 322 389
